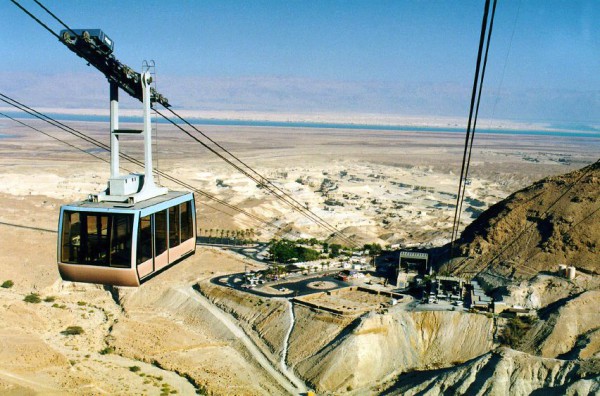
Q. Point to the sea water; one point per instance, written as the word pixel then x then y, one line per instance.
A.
pixel 575 130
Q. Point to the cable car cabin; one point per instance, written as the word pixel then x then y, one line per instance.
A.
pixel 124 245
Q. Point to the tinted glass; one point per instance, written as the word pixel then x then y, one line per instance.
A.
pixel 174 230
pixel 187 222
pixel 120 240
pixel 160 228
pixel 144 247
pixel 71 237
pixel 96 238
pixel 96 241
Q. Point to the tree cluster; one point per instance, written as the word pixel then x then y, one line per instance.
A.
pixel 373 248
pixel 284 251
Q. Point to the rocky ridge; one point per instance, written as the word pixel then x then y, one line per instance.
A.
pixel 505 372
pixel 553 221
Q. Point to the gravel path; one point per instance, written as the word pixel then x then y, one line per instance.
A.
pixel 289 381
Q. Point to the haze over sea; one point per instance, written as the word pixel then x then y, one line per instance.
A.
pixel 562 130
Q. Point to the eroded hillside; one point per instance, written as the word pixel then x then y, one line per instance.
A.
pixel 504 372
pixel 555 220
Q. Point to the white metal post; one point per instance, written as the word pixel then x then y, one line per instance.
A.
pixel 114 125
pixel 126 188
pixel 148 179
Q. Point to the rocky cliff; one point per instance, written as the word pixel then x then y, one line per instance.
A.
pixel 567 329
pixel 505 372
pixel 555 220
pixel 382 345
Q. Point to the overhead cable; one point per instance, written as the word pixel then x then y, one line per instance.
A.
pixel 101 145
pixel 470 126
pixel 472 137
pixel 262 181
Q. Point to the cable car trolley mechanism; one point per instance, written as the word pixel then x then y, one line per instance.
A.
pixel 133 229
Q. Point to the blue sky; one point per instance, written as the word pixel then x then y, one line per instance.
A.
pixel 413 58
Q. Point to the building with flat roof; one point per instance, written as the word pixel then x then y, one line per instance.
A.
pixel 411 265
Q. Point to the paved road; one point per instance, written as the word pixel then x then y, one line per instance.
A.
pixel 298 287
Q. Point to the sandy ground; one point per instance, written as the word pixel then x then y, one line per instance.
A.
pixel 349 301
pixel 404 178
pixel 377 186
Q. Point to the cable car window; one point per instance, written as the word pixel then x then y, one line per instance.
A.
pixel 144 248
pixel 187 223
pixel 96 239
pixel 71 237
pixel 174 230
pixel 120 241
pixel 160 232
pixel 96 246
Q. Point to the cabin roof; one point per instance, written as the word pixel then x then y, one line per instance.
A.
pixel 171 195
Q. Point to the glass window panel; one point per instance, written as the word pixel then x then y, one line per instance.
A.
pixel 96 238
pixel 144 248
pixel 187 222
pixel 174 231
pixel 120 241
pixel 96 246
pixel 160 229
pixel 71 237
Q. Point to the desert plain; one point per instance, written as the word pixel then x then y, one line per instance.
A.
pixel 176 334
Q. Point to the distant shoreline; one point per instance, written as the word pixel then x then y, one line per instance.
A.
pixel 509 130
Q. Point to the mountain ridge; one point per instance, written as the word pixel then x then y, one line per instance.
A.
pixel 551 222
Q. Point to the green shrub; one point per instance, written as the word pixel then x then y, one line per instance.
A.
pixel 515 330
pixel 72 330
pixel 8 284
pixel 108 350
pixel 32 298
pixel 134 369
pixel 81 303
pixel 50 299
pixel 201 390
